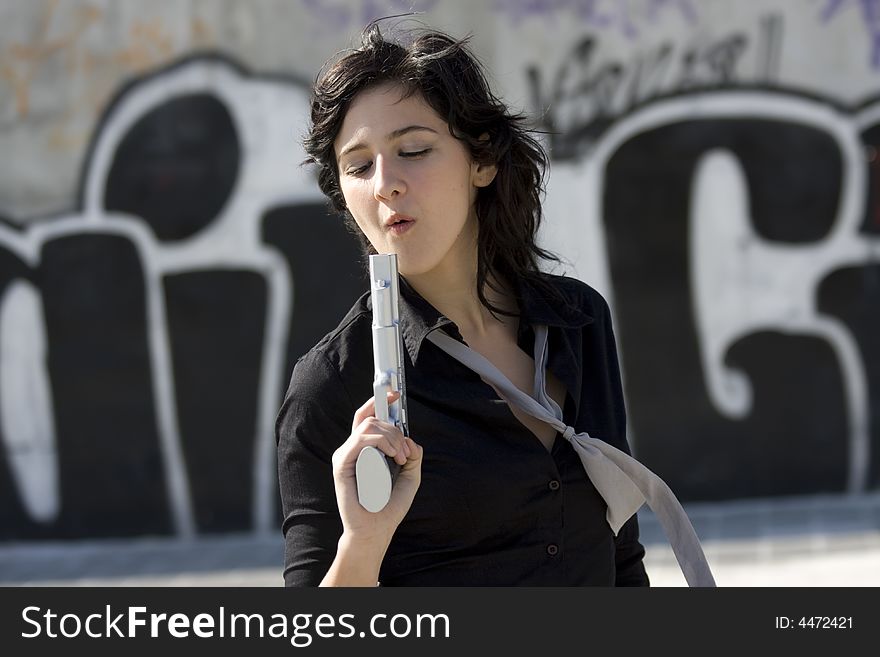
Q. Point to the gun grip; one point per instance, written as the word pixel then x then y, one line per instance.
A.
pixel 375 474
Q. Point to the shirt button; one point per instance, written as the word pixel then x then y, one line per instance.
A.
pixel 552 550
pixel 554 485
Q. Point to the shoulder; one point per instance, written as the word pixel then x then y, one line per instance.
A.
pixel 349 330
pixel 320 400
pixel 576 296
pixel 326 366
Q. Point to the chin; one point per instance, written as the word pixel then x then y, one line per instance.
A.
pixel 408 271
pixel 411 272
pixel 413 265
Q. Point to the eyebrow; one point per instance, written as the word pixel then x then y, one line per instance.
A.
pixel 391 136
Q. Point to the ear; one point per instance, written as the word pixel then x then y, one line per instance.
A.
pixel 483 174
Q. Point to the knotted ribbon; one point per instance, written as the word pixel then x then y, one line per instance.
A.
pixel 623 482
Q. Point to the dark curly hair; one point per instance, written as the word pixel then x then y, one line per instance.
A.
pixel 444 72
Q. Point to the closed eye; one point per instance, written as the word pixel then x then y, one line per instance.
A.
pixel 356 171
pixel 362 169
pixel 424 151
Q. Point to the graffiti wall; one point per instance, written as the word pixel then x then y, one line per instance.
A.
pixel 164 258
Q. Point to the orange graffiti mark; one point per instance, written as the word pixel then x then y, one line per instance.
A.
pixel 199 31
pixel 61 140
pixel 150 44
pixel 22 61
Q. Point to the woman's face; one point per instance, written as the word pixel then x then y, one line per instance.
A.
pixel 410 185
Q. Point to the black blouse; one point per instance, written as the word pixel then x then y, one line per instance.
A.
pixel 494 508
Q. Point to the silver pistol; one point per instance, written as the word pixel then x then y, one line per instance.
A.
pixel 376 472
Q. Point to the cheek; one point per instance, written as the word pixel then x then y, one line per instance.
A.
pixel 345 190
pixel 364 228
pixel 354 199
pixel 357 204
pixel 456 189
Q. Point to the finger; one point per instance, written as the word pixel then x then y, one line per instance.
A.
pixel 368 409
pixel 373 433
pixel 391 435
pixel 409 479
pixel 414 451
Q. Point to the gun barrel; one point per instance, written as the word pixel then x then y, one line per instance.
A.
pixel 387 340
pixel 374 471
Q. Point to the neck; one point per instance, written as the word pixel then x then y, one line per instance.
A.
pixel 454 293
pixel 451 287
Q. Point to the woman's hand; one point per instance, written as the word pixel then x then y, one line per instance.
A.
pixel 366 535
pixel 373 531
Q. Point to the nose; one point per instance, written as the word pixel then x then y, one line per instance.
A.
pixel 387 180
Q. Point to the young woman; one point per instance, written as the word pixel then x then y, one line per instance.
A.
pixel 424 161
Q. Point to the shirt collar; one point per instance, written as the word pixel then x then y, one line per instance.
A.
pixel 418 317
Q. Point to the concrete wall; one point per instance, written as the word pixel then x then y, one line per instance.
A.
pixel 714 172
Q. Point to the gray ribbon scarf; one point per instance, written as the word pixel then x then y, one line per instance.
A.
pixel 623 482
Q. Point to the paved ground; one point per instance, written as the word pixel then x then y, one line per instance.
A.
pixel 814 541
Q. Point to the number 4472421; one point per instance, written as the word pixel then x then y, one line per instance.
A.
pixel 814 622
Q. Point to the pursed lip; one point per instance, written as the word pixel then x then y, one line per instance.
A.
pixel 395 219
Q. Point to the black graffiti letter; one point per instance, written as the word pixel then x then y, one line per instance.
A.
pixel 794 439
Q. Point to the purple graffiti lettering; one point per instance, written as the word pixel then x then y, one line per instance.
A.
pixel 685 6
pixel 870 17
pixel 518 10
pixel 340 17
pixel 616 14
pixel 334 15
